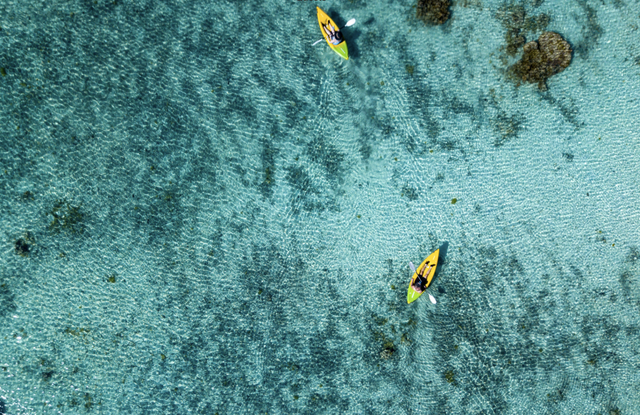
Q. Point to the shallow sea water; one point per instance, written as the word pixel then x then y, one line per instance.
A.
pixel 203 213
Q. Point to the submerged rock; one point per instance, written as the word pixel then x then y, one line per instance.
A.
pixel 22 247
pixel 547 56
pixel 433 12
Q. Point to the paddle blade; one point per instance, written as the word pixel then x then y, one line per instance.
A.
pixel 432 298
pixel 413 268
pixel 318 41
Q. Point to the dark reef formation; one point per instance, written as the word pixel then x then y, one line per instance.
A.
pixel 433 12
pixel 547 56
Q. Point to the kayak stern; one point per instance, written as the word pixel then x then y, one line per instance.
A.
pixel 341 49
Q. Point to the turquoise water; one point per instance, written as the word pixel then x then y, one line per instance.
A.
pixel 203 213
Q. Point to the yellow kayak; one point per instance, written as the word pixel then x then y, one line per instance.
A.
pixel 332 34
pixel 422 277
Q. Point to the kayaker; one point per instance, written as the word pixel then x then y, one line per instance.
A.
pixel 421 280
pixel 335 36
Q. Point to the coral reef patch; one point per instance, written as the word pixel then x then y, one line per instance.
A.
pixel 547 56
pixel 433 12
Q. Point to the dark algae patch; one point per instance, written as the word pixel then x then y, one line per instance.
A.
pixel 76 332
pixel 591 31
pixel 450 376
pixel 66 218
pixel 433 12
pixel 388 332
pixel 409 192
pixel 515 20
pixel 542 59
pixel 506 127
pixel 27 196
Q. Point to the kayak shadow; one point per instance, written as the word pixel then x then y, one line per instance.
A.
pixel 441 259
pixel 352 37
pixel 335 15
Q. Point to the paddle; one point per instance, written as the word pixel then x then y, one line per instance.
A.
pixel 431 298
pixel 349 23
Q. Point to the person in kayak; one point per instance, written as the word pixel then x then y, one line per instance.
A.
pixel 420 283
pixel 335 36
